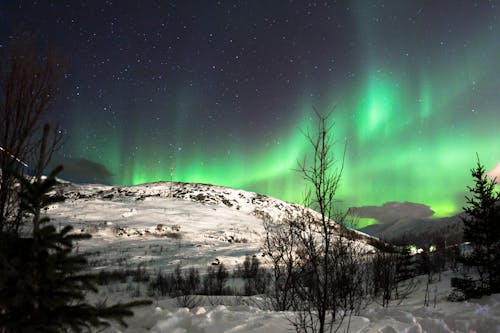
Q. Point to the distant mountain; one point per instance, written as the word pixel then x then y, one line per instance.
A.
pixel 419 231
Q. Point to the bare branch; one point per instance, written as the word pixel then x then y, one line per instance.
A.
pixel 28 85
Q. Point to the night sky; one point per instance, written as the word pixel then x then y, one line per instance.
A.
pixel 219 91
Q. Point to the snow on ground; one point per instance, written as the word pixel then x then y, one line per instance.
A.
pixel 475 316
pixel 164 224
pixel 157 229
pixel 161 225
pixel 140 226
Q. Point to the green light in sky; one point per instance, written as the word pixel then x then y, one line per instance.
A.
pixel 425 99
pixel 377 107
pixel 410 131
pixel 261 168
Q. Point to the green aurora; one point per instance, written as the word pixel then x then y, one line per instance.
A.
pixel 400 146
pixel 417 100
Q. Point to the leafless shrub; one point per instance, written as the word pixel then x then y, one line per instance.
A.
pixel 188 301
pixel 28 85
pixel 184 285
pixel 318 271
pixel 214 281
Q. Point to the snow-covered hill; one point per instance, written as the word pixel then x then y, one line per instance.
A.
pixel 157 226
pixel 161 225
pixel 164 224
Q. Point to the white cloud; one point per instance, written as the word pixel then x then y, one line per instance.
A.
pixel 495 173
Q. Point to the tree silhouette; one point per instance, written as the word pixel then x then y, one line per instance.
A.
pixel 43 284
pixel 318 270
pixel 28 85
pixel 482 232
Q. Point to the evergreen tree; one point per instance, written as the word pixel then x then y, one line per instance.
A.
pixel 43 284
pixel 482 232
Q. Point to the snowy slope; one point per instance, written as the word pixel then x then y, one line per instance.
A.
pixel 164 224
pixel 152 225
pixel 161 225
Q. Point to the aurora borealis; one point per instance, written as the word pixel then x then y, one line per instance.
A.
pixel 219 91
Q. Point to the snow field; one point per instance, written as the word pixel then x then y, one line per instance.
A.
pixel 161 225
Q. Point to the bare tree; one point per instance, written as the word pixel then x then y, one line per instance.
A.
pixel 384 276
pixel 317 257
pixel 28 85
pixel 280 246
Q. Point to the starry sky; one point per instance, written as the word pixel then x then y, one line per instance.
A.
pixel 219 91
